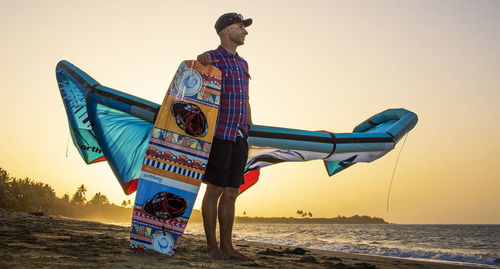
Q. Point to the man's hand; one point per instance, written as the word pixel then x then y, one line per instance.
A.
pixel 205 59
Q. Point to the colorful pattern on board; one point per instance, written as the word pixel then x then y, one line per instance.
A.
pixel 174 162
pixel 187 86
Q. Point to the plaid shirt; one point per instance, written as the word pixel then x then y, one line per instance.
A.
pixel 234 94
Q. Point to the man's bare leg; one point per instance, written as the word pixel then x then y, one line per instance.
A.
pixel 226 220
pixel 209 214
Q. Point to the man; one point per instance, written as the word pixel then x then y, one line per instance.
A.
pixel 228 157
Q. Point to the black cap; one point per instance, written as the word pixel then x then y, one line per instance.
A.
pixel 230 18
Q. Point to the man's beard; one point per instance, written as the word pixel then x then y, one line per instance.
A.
pixel 238 41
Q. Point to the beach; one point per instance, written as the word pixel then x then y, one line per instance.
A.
pixel 29 241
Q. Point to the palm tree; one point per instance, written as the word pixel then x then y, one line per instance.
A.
pixel 99 199
pixel 79 196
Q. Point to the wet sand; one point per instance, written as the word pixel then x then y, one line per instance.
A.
pixel 29 241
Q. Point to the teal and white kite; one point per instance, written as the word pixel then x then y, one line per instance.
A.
pixel 110 125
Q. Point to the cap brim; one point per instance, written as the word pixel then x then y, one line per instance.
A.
pixel 247 22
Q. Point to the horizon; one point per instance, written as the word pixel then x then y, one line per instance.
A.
pixel 244 215
pixel 321 65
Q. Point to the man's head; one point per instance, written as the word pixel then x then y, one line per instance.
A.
pixel 231 28
pixel 230 18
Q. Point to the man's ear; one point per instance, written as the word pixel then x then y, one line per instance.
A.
pixel 223 31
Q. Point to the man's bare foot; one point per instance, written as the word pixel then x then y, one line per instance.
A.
pixel 217 254
pixel 233 254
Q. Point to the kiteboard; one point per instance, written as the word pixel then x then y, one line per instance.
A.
pixel 176 158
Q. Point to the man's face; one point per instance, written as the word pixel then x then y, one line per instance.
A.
pixel 237 33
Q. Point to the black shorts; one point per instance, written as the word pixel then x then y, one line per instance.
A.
pixel 226 163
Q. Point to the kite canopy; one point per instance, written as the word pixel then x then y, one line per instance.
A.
pixel 110 125
pixel 74 85
pixel 118 125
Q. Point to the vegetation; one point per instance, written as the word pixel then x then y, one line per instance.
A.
pixel 30 196
pixel 304 214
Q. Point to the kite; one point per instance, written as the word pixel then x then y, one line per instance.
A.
pixel 113 126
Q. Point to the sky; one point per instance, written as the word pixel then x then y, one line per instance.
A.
pixel 315 65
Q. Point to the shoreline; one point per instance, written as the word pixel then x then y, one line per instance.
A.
pixel 46 241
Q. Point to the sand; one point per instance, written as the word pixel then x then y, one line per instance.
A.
pixel 29 241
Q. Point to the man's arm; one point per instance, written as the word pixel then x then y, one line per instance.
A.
pixel 206 59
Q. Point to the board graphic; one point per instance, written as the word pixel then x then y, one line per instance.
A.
pixel 176 158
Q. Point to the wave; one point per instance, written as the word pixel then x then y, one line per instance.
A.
pixel 376 249
pixel 410 242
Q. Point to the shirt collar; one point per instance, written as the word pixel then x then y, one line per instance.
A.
pixel 224 51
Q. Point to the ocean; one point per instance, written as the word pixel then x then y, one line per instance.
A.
pixel 465 244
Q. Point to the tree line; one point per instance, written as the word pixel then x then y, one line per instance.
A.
pixel 27 195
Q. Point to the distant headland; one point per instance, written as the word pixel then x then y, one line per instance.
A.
pixel 356 219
